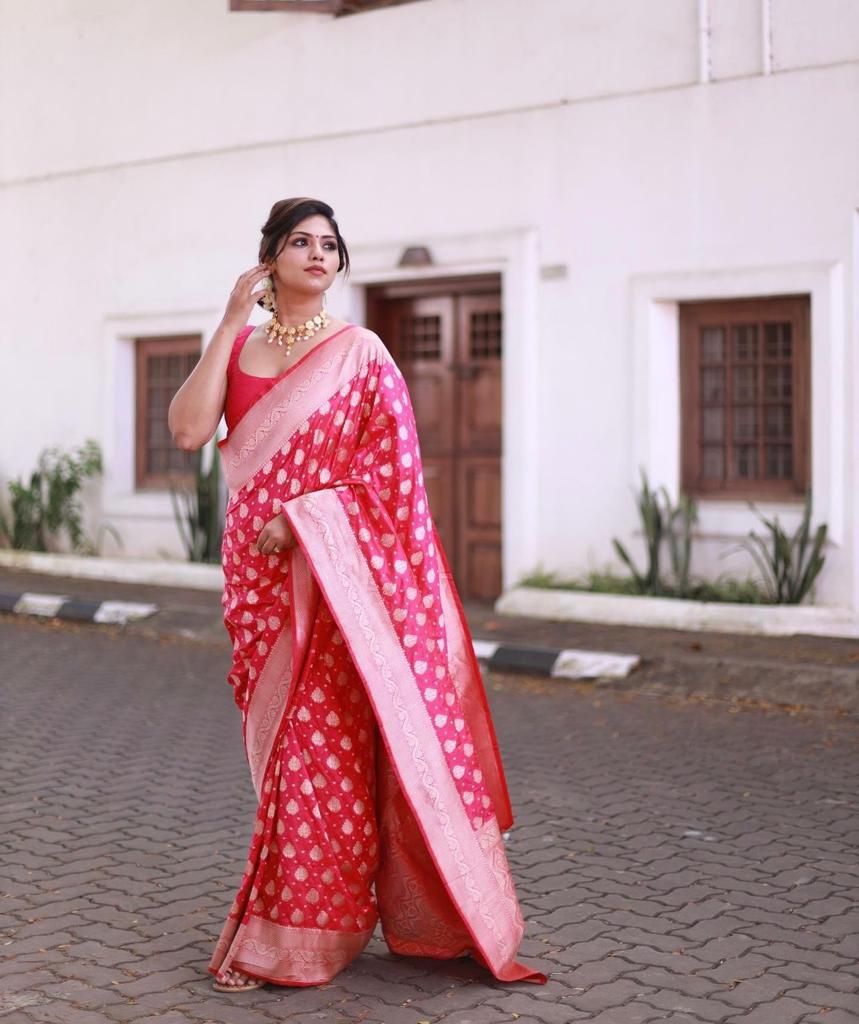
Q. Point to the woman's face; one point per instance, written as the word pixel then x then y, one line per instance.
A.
pixel 310 244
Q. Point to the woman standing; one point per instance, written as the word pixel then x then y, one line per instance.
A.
pixel 381 792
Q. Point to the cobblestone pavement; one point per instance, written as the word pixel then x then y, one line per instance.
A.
pixel 677 860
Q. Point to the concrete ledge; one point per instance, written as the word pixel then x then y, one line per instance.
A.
pixel 158 572
pixel 673 613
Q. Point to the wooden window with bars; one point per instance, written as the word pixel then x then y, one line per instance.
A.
pixel 745 397
pixel 161 367
pixel 420 337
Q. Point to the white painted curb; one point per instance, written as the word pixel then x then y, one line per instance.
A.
pixel 157 572
pixel 573 664
pixel 120 612
pixel 484 649
pixel 674 613
pixel 46 605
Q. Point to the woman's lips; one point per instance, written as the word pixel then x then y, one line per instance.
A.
pixel 314 270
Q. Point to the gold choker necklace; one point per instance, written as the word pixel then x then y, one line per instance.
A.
pixel 300 332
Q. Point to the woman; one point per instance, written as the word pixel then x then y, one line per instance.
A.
pixel 381 792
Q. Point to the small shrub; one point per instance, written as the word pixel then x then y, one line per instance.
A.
pixel 49 504
pixel 789 565
pixel 724 589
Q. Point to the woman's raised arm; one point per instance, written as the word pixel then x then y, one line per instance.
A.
pixel 198 405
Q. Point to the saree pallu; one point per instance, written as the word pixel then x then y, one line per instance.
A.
pixel 381 792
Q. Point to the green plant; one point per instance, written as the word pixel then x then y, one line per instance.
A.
pixel 94 548
pixel 791 564
pixel 50 502
pixel 680 541
pixel 198 512
pixel 652 518
pixel 725 589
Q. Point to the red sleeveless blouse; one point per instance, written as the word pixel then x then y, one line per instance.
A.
pixel 244 389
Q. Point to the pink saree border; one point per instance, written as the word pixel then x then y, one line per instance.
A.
pixel 281 410
pixel 286 954
pixel 472 869
pixel 268 703
pixel 279 678
pixel 461 662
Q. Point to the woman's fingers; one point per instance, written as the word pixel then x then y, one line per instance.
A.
pixel 267 544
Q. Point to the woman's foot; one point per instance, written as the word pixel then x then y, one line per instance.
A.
pixel 232 980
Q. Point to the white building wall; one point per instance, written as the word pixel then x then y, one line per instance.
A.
pixel 646 153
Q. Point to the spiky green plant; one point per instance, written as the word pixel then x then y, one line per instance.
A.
pixel 647 581
pixel 789 565
pixel 684 513
pixel 197 511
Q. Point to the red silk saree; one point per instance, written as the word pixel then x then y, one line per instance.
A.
pixel 381 792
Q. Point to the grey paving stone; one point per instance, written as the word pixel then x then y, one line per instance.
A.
pixel 723 948
pixel 738 968
pixel 696 1009
pixel 64 1013
pixel 688 984
pixel 826 995
pixel 674 962
pixel 819 959
pixel 602 865
pixel 833 1017
pixel 610 994
pixel 629 1013
pixel 785 1010
pixel 369 1010
pixel 596 973
pixel 158 981
pixel 558 1011
pixel 762 989
pixel 485 1014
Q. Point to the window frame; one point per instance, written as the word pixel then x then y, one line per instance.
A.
pixel 694 315
pixel 311 6
pixel 144 347
pixel 335 7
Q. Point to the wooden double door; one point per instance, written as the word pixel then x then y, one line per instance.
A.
pixel 446 338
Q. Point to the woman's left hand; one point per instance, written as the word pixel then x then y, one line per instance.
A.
pixel 275 536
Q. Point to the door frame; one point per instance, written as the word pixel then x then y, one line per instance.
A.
pixel 513 255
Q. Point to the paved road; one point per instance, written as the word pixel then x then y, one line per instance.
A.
pixel 678 861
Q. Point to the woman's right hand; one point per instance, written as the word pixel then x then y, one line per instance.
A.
pixel 243 297
pixel 198 405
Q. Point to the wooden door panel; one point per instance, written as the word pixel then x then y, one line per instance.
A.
pixel 481 493
pixel 439 482
pixel 432 397
pixel 479 525
pixel 483 571
pixel 421 339
pixel 481 419
pixel 447 342
pixel 478 369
